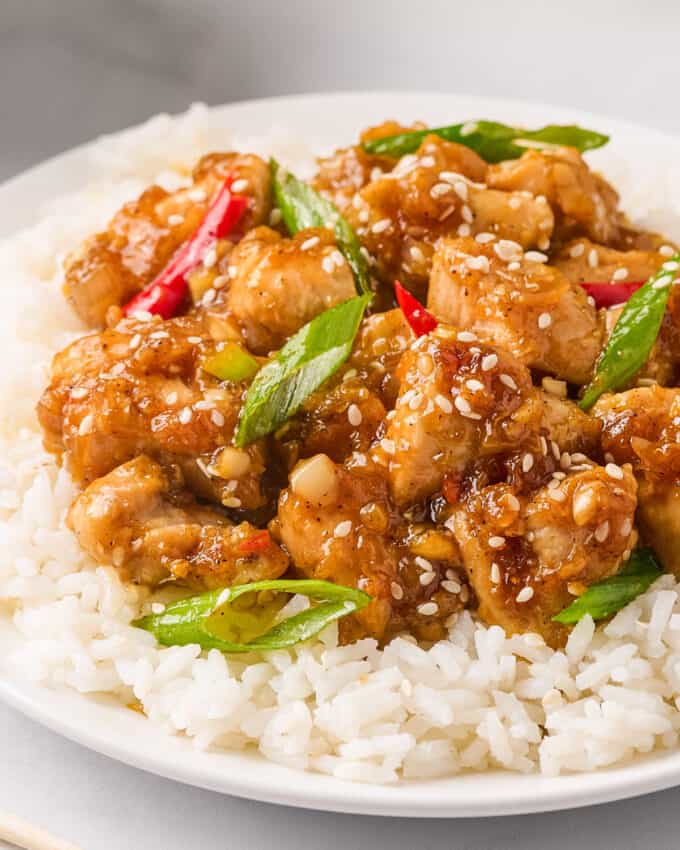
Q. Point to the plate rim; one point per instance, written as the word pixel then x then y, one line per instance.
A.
pixel 459 796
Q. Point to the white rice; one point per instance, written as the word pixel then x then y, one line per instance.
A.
pixel 476 701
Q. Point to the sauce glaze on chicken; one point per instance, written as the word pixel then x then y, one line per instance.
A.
pixel 455 470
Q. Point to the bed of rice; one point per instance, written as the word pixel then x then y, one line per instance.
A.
pixel 476 701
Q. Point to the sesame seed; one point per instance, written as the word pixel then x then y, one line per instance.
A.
pixel 507 250
pixel 461 189
pixel 381 225
pixel 86 425
pixel 416 254
pixel 671 266
pixel 440 189
pixel 423 563
pixel 496 542
pixel 480 263
pixel 664 281
pixel 328 265
pixel 558 495
pixel 593 258
pixel 467 336
pixel 231 502
pixel 527 462
pixel 185 415
pixel 239 185
pixel 508 380
pixel 275 216
pixel 443 403
pixel 495 574
pixel 428 608
pixel 171 398
pixel 388 446
pixel 209 297
pixel 194 340
pixel 210 257
pixel 544 445
pixel 577 250
pixel 511 501
pixel 485 237
pixel 396 590
pixel 463 229
pixel 626 527
pixel 462 404
pixel 544 242
pixel 232 271
pixel 614 471
pixel 489 362
pixel 354 415
pixel 175 219
pixel 197 195
pixel 135 341
pixel 466 212
pixel 667 250
pixel 525 594
pixel 157 607
pixel 474 385
pixel 536 257
pixel 342 529
pixel 158 335
pixel 620 274
pixel 514 203
pixel 565 460
pixel 602 531
pixel 544 321
pixel 79 392
pixel 427 578
pixel 217 418
pixel 312 242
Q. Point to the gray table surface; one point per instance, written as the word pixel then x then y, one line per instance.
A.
pixel 71 69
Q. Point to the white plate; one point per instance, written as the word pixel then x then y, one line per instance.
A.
pixel 122 734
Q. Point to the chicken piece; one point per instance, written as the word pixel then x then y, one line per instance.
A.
pixel 448 392
pixel 516 301
pixel 461 400
pixel 642 427
pixel 382 339
pixel 530 548
pixel 139 388
pixel 278 285
pixel 583 202
pixel 337 524
pixel 343 173
pixel 139 519
pixel 115 264
pixel 582 261
pixel 433 193
pixel 336 420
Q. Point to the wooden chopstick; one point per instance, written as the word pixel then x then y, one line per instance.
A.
pixel 28 837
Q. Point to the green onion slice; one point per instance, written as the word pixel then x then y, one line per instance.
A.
pixel 244 618
pixel 308 359
pixel 493 141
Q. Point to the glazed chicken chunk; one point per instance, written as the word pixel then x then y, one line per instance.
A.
pixel 115 264
pixel 140 388
pixel 515 300
pixel 140 519
pixel 582 201
pixel 531 548
pixel 642 427
pixel 338 523
pixel 438 191
pixel 277 285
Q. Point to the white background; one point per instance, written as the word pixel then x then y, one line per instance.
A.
pixel 70 69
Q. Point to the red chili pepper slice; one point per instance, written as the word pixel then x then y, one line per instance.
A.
pixel 164 295
pixel 257 543
pixel 420 320
pixel 607 294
